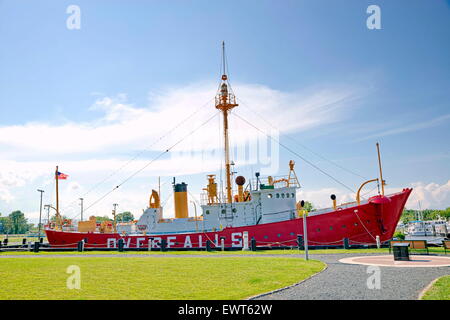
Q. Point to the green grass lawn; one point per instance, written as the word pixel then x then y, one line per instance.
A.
pixel 440 290
pixel 259 252
pixel 151 278
pixel 17 239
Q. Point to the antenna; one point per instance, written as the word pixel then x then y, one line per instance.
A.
pixel 223 60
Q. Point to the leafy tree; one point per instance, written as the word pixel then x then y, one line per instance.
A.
pixel 53 218
pixel 308 206
pixel 124 217
pixel 428 214
pixel 18 224
pixel 101 219
pixel 3 223
pixel 399 235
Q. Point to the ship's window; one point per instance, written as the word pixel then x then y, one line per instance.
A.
pixel 207 211
pixel 234 209
pixel 282 195
pixel 331 228
pixel 356 224
pixel 291 233
pixel 368 221
pixel 223 211
pixel 293 195
pixel 278 195
pixel 318 230
pixel 344 226
pixel 266 237
pixel 269 196
pixel 287 195
pixel 279 235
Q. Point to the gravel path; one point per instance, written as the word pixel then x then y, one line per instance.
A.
pixel 349 282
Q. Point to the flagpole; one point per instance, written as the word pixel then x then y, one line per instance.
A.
pixel 57 197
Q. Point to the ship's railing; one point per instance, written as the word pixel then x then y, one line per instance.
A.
pixel 231 99
pixel 278 181
pixel 204 200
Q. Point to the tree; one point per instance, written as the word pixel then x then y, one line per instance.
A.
pixel 53 218
pixel 2 224
pixel 101 219
pixel 124 217
pixel 18 223
pixel 308 206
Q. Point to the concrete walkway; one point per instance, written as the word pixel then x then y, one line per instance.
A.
pixel 349 282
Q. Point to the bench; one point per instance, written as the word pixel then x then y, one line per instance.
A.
pixel 446 244
pixel 413 244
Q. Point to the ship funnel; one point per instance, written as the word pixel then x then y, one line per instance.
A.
pixel 181 200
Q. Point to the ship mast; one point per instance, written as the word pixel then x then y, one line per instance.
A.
pixel 225 101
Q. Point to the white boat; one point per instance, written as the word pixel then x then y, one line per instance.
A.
pixel 428 228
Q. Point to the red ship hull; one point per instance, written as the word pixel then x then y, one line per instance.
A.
pixel 359 223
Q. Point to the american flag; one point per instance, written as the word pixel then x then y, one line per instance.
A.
pixel 61 176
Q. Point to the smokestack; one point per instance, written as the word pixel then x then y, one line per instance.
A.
pixel 181 200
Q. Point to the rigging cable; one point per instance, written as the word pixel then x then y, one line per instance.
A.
pixel 149 163
pixel 298 143
pixel 296 154
pixel 139 154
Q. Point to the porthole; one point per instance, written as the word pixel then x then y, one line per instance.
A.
pixel 269 196
pixel 344 226
pixel 223 211
pixel 279 235
pixel 266 237
pixel 287 195
pixel 233 210
pixel 278 195
pixel 207 211
pixel 331 228
pixel 356 224
pixel 368 221
pixel 318 230
pixel 282 195
pixel 291 233
pixel 293 195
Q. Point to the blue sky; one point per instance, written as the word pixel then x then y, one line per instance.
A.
pixel 315 62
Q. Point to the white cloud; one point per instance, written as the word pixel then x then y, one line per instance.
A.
pixel 431 196
pixel 121 128
pixel 125 126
